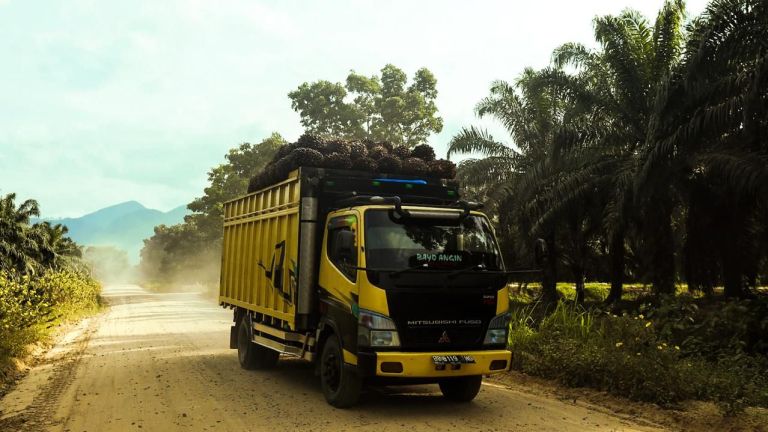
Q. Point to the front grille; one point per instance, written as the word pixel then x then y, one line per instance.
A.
pixel 451 338
pixel 444 308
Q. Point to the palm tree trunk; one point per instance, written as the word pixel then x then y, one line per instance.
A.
pixel 578 275
pixel 732 255
pixel 617 267
pixel 549 274
pixel 662 245
pixel 733 286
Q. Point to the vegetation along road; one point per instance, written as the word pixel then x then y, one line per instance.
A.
pixel 160 362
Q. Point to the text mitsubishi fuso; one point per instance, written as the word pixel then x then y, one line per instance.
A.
pixel 376 278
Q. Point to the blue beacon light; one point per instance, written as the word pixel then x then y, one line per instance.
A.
pixel 404 181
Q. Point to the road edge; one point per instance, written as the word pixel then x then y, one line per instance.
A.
pixel 26 398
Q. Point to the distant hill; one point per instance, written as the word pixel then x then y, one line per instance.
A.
pixel 123 225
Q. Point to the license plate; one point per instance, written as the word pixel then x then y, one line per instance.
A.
pixel 452 359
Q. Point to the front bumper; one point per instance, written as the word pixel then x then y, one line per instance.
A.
pixel 420 364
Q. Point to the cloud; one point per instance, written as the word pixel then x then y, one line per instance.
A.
pixel 111 101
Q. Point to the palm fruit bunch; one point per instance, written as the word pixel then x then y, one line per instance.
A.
pixel 367 155
pixel 424 152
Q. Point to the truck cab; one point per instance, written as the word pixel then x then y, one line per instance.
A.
pixel 414 294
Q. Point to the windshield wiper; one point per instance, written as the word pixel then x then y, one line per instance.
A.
pixel 408 269
pixel 479 267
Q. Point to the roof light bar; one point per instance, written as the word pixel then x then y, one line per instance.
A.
pixel 406 181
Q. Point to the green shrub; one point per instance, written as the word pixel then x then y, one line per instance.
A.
pixel 631 356
pixel 22 307
pixel 714 329
pixel 72 293
pixel 30 305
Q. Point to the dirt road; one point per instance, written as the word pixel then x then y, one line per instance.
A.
pixel 160 362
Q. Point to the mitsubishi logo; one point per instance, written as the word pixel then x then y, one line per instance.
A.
pixel 444 338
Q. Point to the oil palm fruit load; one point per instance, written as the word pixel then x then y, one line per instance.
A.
pixel 368 156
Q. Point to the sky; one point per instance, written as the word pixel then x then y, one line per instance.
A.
pixel 105 102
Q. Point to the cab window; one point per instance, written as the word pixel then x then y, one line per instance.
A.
pixel 342 245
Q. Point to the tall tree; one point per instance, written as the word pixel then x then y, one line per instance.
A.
pixel 230 180
pixel 581 139
pixel 534 116
pixel 620 83
pixel 382 108
pixel 710 126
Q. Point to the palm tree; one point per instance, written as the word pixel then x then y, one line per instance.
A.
pixel 656 133
pixel 710 125
pixel 18 249
pixel 512 179
pixel 56 249
pixel 620 81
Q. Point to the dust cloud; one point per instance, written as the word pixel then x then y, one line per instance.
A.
pixel 109 264
pixel 192 272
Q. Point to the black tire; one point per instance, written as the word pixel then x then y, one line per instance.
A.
pixel 341 383
pixel 250 355
pixel 461 389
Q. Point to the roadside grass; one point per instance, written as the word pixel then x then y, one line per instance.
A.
pixel 593 291
pixel 32 307
pixel 684 348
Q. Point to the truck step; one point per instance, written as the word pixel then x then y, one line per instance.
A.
pixel 289 343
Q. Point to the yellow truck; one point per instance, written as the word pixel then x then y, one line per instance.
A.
pixel 375 278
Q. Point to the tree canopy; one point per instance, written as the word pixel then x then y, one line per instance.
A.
pixel 228 181
pixel 643 159
pixel 27 248
pixel 379 108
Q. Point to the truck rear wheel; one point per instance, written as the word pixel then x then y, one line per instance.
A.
pixel 340 382
pixel 461 389
pixel 253 356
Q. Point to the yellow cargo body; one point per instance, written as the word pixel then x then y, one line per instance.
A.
pixel 260 251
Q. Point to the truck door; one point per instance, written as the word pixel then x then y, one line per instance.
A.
pixel 338 274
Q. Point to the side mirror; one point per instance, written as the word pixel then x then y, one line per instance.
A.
pixel 540 252
pixel 344 244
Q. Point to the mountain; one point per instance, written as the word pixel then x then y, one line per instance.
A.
pixel 123 225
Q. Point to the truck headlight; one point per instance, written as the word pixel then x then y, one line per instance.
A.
pixel 376 330
pixel 497 330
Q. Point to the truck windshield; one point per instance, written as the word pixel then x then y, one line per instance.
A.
pixel 390 244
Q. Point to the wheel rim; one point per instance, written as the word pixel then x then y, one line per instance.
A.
pixel 332 372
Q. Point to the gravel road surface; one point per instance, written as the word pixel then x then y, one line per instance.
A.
pixel 160 362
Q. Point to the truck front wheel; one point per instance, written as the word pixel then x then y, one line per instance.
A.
pixel 340 382
pixel 253 356
pixel 461 389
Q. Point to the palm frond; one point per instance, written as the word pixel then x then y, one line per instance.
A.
pixel 743 171
pixel 572 54
pixel 667 38
pixel 473 139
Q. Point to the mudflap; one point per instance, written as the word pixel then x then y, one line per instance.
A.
pixel 233 337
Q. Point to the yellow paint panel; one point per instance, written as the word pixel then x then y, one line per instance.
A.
pixel 372 297
pixel 502 300
pixel 421 364
pixel 331 278
pixel 350 358
pixel 257 229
